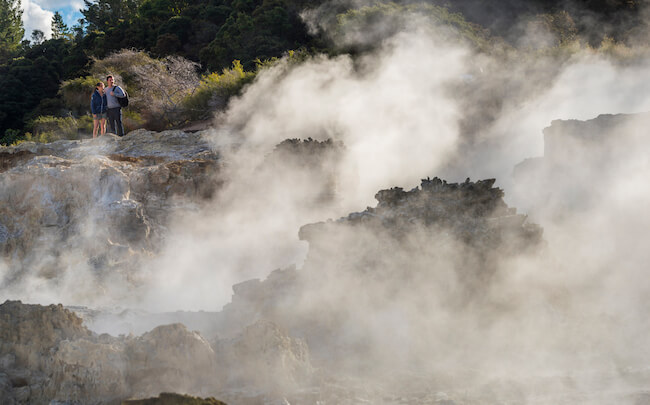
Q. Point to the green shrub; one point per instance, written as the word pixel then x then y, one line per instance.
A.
pixel 77 93
pixel 121 65
pixel 48 129
pixel 10 136
pixel 215 90
pixel 131 120
pixel 85 124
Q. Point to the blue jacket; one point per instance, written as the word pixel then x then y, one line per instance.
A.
pixel 98 103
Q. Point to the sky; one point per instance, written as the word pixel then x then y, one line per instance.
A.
pixel 37 14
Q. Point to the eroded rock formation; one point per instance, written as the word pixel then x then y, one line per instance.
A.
pixel 583 161
pixel 418 255
pixel 47 354
pixel 404 248
pixel 99 204
pixel 380 291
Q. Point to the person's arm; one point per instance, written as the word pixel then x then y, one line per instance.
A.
pixel 92 105
pixel 118 92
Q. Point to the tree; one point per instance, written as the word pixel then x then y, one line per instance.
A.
pixel 59 28
pixel 11 28
pixel 37 37
pixel 101 15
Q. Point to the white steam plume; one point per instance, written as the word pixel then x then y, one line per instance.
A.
pixel 397 114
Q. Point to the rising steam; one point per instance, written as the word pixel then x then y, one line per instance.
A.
pixel 416 107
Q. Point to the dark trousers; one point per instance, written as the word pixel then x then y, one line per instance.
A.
pixel 115 120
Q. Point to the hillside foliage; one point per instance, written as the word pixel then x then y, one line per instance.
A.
pixel 182 59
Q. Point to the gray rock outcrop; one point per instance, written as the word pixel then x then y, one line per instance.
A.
pixel 99 204
pixel 46 354
pixel 435 248
pixel 582 159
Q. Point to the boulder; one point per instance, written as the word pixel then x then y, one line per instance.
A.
pixel 170 358
pixel 265 358
pixel 47 355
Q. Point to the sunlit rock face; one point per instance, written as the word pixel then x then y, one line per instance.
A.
pixel 47 355
pixel 100 204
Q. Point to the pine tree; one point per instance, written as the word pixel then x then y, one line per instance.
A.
pixel 59 28
pixel 11 28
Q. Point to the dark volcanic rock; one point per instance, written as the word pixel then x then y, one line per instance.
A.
pixel 166 398
pixel 309 165
pixel 474 212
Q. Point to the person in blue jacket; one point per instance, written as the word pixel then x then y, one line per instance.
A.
pixel 98 107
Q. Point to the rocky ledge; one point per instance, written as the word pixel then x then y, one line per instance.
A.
pixel 106 199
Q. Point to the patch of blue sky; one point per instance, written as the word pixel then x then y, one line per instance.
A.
pixel 37 14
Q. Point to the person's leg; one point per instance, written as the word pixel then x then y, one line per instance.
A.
pixel 95 127
pixel 110 113
pixel 102 124
pixel 118 122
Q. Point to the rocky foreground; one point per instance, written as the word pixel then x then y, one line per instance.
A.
pixel 100 204
pixel 283 339
pixel 48 355
pixel 437 295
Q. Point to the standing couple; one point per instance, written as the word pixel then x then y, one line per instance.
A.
pixel 104 104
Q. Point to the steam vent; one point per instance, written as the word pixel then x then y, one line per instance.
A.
pixel 442 294
pixel 279 338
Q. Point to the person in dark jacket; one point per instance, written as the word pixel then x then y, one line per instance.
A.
pixel 114 111
pixel 98 107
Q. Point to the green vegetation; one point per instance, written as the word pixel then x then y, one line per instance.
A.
pixel 174 399
pixel 48 129
pixel 384 20
pixel 182 59
pixel 11 28
pixel 76 93
pixel 215 90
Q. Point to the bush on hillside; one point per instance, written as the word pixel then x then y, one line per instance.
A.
pixel 10 136
pixel 163 86
pixel 77 93
pixel 215 90
pixel 48 129
pixel 121 64
pixel 360 29
pixel 156 87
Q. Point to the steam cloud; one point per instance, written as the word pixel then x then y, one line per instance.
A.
pixel 401 113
